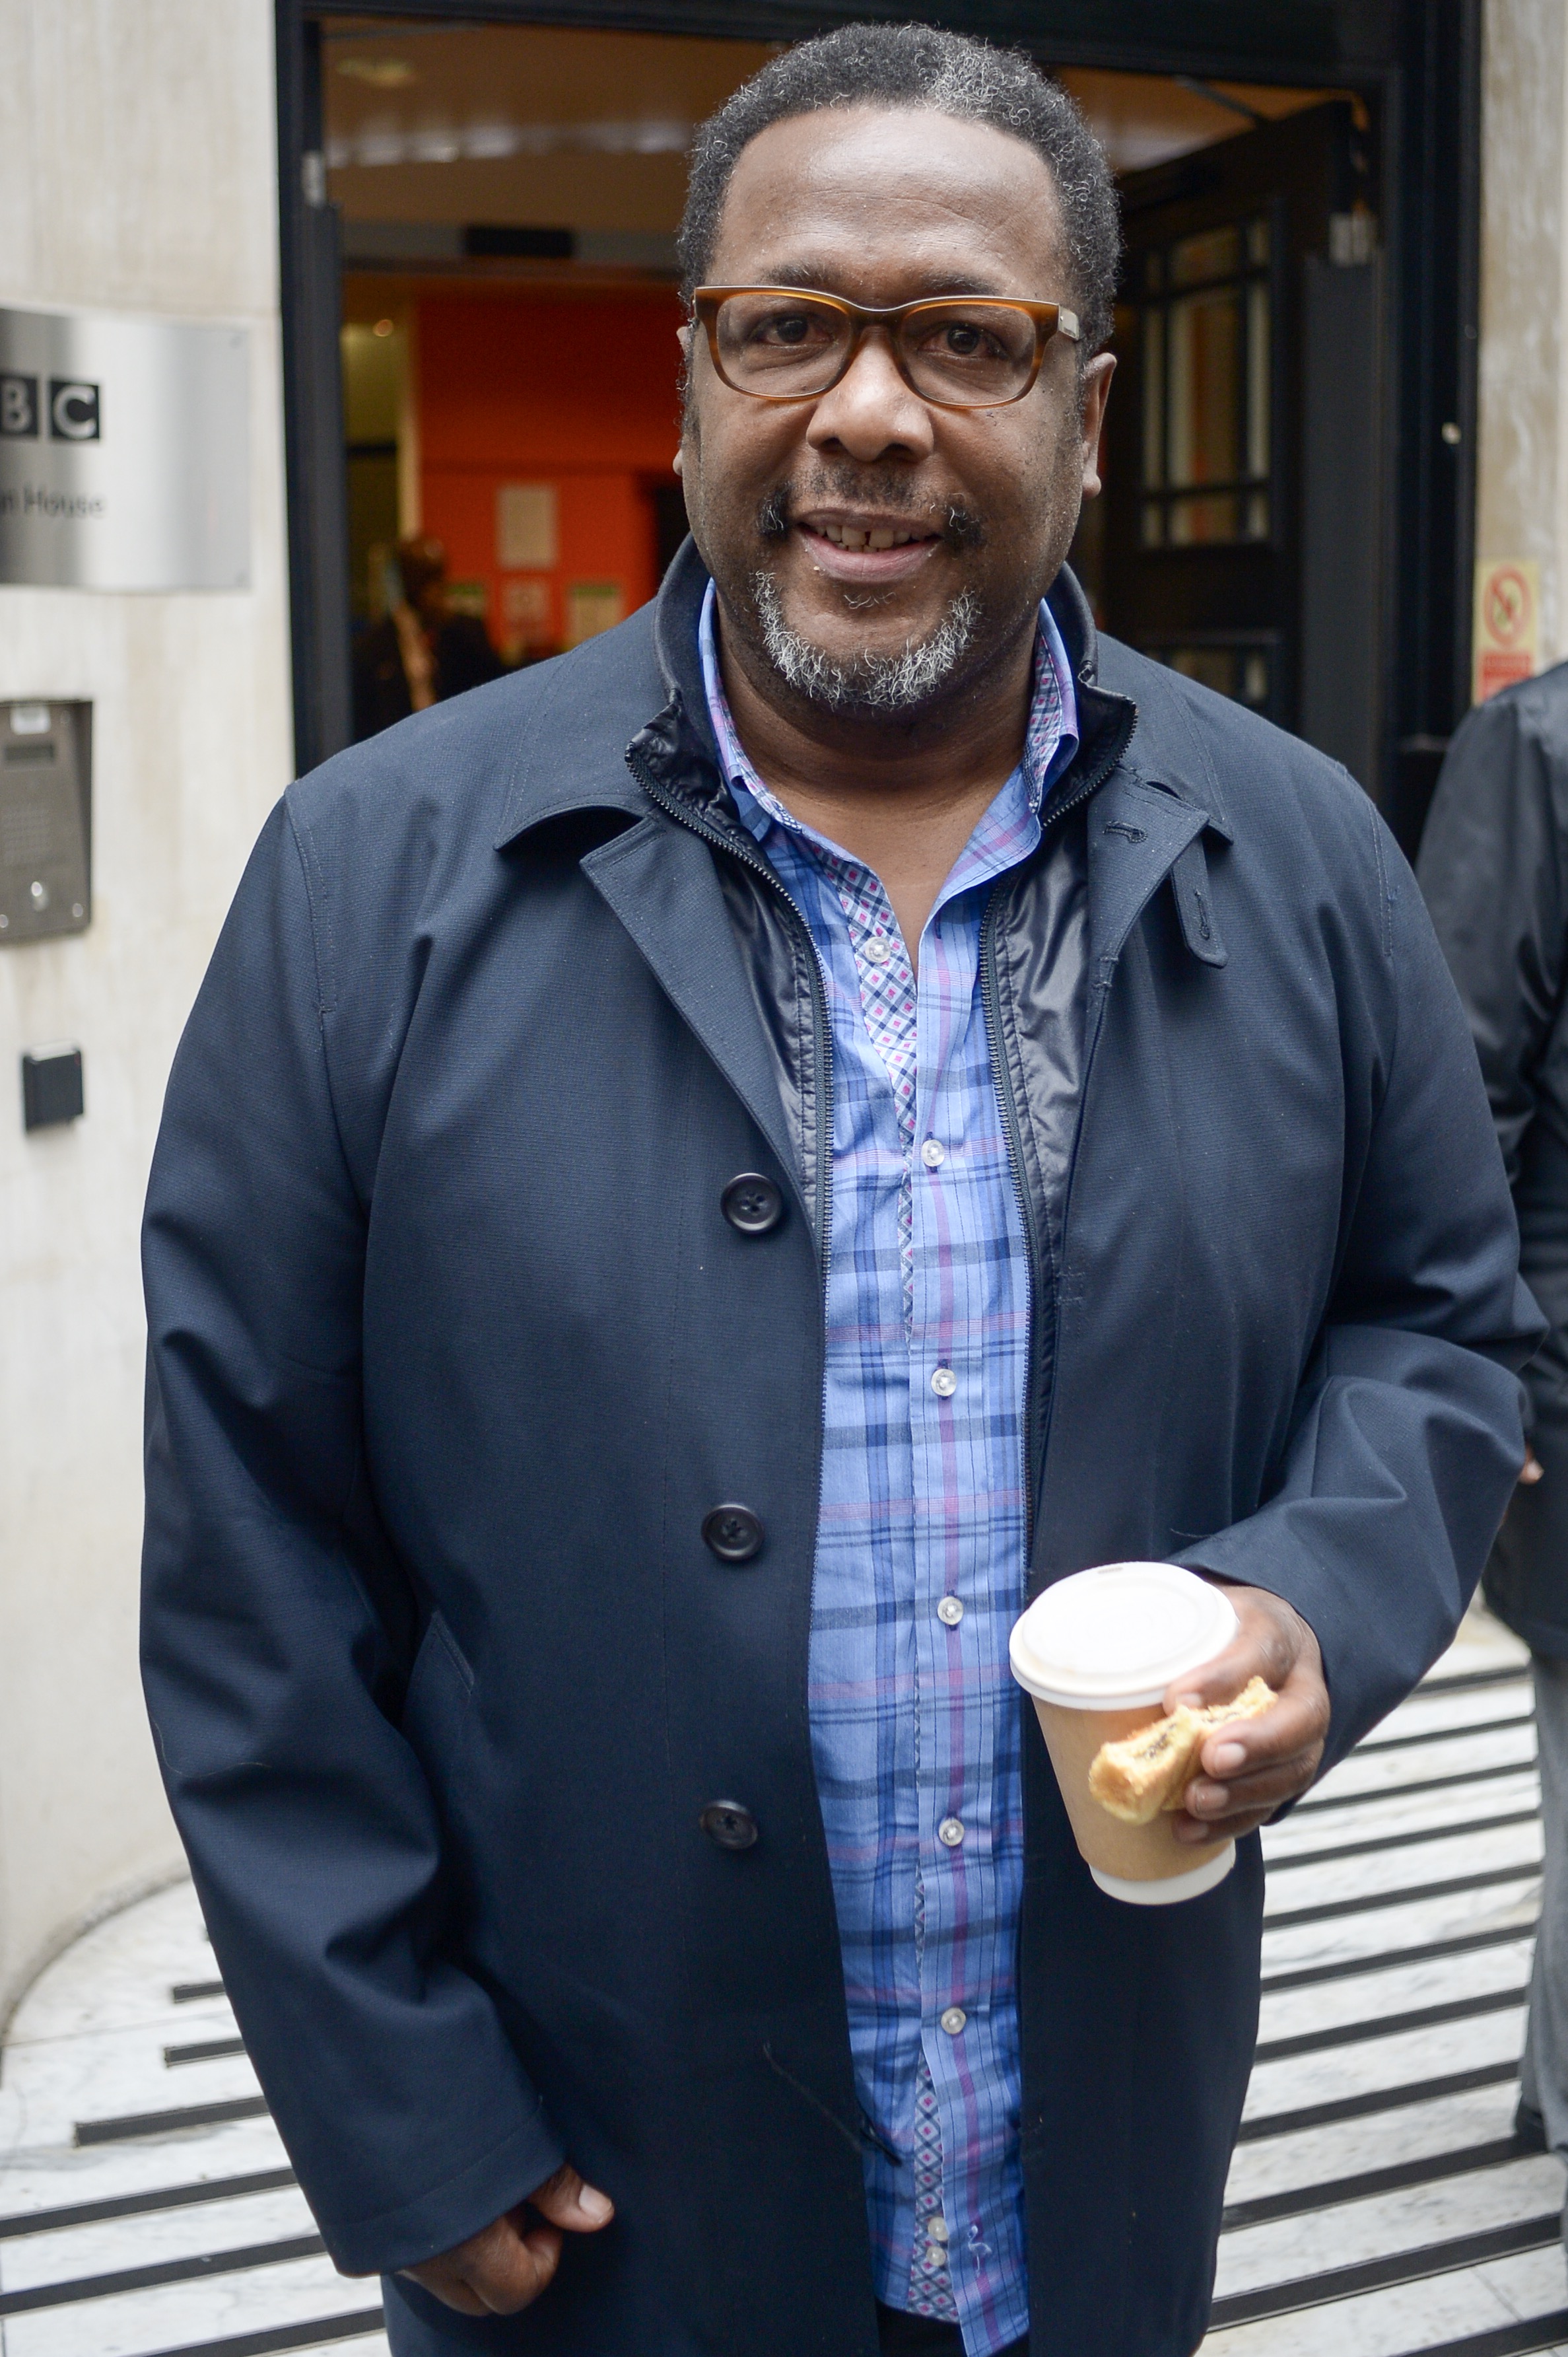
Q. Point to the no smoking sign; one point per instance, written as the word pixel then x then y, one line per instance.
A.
pixel 1506 633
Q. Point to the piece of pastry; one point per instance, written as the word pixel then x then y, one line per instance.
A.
pixel 1149 1771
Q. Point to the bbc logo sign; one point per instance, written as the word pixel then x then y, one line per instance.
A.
pixel 72 408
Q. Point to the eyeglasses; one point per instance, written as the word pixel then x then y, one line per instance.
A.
pixel 956 351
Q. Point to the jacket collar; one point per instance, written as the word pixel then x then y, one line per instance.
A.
pixel 593 709
pixel 1167 750
pixel 595 712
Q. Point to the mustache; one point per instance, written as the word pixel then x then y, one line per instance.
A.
pixel 961 527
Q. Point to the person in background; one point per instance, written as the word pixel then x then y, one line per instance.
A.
pixel 421 652
pixel 1494 868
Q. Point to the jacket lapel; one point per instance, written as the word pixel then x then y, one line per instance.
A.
pixel 660 882
pixel 657 876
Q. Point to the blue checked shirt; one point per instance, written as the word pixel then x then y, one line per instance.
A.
pixel 916 1728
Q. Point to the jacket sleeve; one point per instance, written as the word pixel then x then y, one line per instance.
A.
pixel 1493 871
pixel 1407 1436
pixel 278 1631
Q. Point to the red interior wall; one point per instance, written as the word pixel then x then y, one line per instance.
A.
pixel 578 390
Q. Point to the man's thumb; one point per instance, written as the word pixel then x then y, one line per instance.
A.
pixel 566 2202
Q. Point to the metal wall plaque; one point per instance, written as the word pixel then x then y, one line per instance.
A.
pixel 46 819
pixel 123 453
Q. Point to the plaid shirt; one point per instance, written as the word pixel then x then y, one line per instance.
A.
pixel 916 1727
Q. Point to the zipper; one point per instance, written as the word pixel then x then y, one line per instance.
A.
pixel 821 1035
pixel 990 999
pixel 989 1002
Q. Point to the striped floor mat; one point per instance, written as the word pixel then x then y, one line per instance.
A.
pixel 1379 2203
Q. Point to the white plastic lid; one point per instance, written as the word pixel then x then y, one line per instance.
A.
pixel 1113 1639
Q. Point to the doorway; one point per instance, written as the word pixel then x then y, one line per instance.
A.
pixel 506 200
pixel 1247 519
pixel 1287 459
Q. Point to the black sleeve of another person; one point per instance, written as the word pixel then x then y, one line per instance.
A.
pixel 381 688
pixel 464 656
pixel 1494 870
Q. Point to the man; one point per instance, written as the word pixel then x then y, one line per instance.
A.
pixel 1492 869
pixel 421 652
pixel 700 1180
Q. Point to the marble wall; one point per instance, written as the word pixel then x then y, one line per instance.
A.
pixel 138 173
pixel 1522 496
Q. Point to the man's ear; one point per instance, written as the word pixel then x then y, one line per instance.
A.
pixel 1092 397
pixel 683 388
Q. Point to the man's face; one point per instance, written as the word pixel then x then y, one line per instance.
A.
pixel 884 207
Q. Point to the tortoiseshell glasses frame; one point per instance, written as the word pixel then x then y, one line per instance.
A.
pixel 795 343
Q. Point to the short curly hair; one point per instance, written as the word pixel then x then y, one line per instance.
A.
pixel 945 73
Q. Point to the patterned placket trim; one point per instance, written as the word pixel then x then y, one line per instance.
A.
pixel 930 2283
pixel 890 1004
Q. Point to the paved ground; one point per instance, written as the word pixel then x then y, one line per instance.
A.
pixel 1379 2205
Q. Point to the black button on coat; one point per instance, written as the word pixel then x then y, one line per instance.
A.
pixel 729 1826
pixel 450 1355
pixel 733 1532
pixel 752 1204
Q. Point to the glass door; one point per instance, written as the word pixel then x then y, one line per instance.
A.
pixel 1210 558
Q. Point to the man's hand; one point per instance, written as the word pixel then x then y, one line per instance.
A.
pixel 1252 1767
pixel 507 2264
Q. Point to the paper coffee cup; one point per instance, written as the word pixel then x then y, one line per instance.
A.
pixel 1097 1652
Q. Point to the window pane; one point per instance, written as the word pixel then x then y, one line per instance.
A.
pixel 1154 400
pixel 1205 365
pixel 1194 523
pixel 1217 253
pixel 1258 380
pixel 1244 674
pixel 1213 667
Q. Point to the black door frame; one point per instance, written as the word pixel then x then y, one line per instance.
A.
pixel 1419 59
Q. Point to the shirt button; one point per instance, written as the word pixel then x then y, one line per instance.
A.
pixel 952 2019
pixel 944 1383
pixel 951 1831
pixel 937 2228
pixel 951 1609
pixel 933 1153
pixel 878 951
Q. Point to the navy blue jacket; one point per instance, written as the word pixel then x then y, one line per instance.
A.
pixel 452 1351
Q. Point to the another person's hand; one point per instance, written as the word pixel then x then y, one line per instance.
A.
pixel 1254 1767
pixel 508 2263
pixel 1532 1471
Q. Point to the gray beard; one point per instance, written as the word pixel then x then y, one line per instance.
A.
pixel 866 682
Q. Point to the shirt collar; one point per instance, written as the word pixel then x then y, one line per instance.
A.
pixel 1050 736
